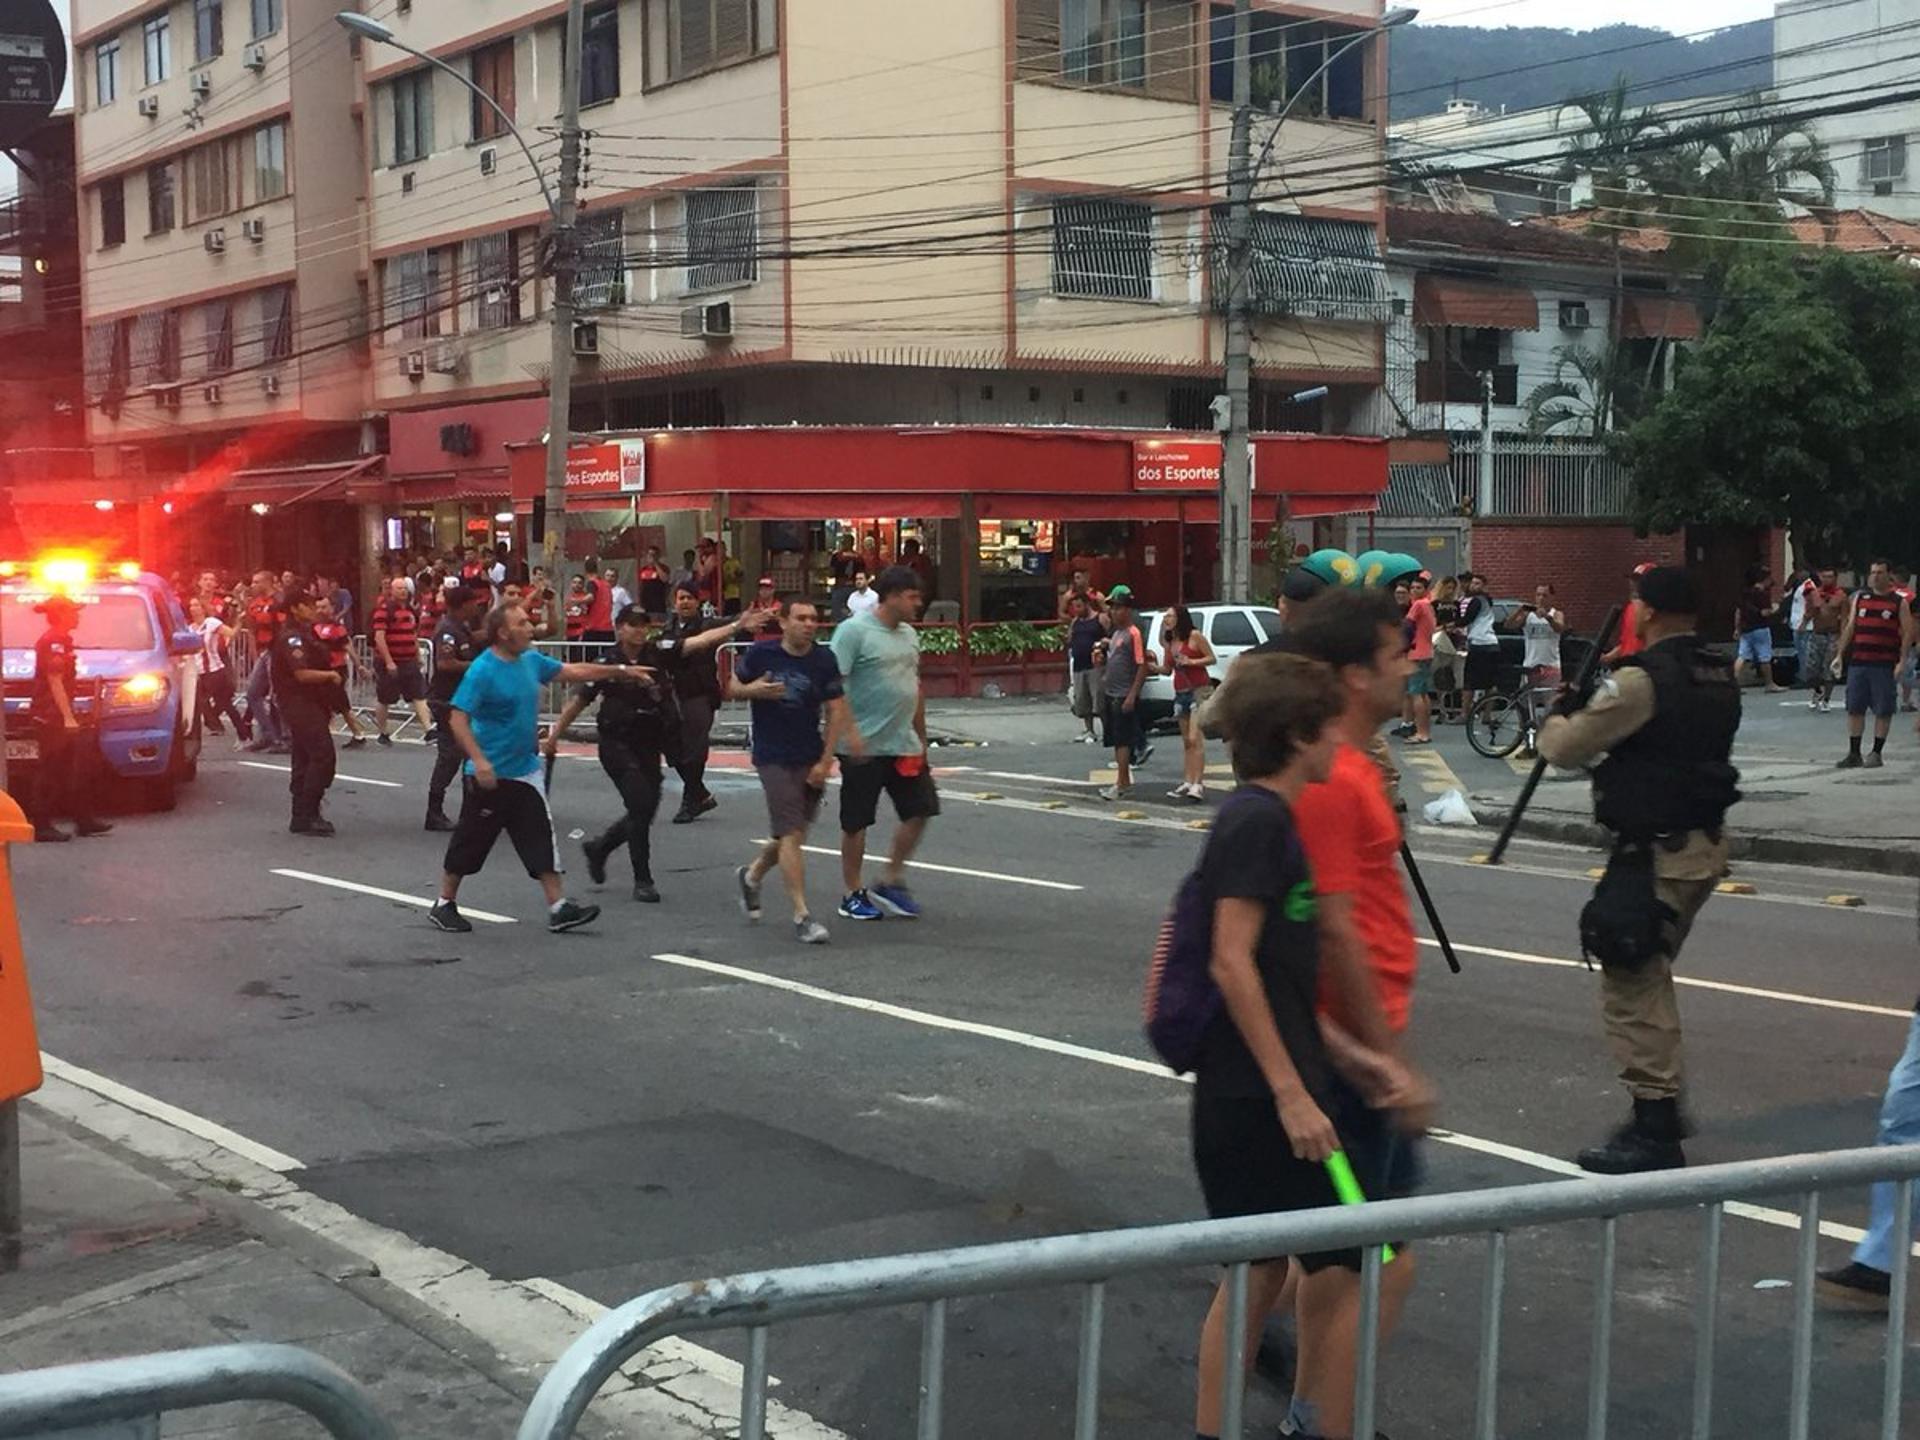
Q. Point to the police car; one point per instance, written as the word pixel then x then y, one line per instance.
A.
pixel 138 664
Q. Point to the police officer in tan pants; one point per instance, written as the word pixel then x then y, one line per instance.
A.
pixel 1665 722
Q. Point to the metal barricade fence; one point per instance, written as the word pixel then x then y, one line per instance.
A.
pixel 756 1302
pixel 43 1404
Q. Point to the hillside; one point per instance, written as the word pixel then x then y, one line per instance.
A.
pixel 1524 67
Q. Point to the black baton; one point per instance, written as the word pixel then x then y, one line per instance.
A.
pixel 1581 685
pixel 1426 901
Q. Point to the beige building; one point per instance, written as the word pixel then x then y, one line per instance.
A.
pixel 793 211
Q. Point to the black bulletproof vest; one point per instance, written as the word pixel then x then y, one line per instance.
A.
pixel 1673 774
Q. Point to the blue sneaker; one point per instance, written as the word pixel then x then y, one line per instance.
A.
pixel 857 906
pixel 897 900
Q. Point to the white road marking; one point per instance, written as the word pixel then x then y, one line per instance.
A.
pixel 1041 779
pixel 1785 997
pixel 1551 1164
pixel 953 870
pixel 350 779
pixel 264 1156
pixel 422 901
pixel 674 1388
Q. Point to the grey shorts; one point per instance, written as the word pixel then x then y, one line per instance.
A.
pixel 1084 692
pixel 792 804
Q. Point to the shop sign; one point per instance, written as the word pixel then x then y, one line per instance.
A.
pixel 1176 465
pixel 618 467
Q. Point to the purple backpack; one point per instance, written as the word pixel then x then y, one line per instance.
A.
pixel 1182 999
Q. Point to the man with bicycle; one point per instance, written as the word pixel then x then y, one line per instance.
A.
pixel 1665 720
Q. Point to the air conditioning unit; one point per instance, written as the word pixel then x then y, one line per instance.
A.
pixel 270 385
pixel 255 230
pixel 447 360
pixel 215 241
pixel 494 295
pixel 708 322
pixel 1575 317
pixel 167 397
pixel 586 337
pixel 256 57
pixel 211 394
pixel 413 365
pixel 150 106
pixel 201 83
pixel 489 160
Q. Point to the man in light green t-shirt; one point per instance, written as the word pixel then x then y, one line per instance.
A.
pixel 885 748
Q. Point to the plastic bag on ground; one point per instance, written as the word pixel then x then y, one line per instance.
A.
pixel 1450 809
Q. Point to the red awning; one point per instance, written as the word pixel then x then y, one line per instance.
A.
pixel 1473 304
pixel 426 489
pixel 296 484
pixel 1659 317
pixel 819 504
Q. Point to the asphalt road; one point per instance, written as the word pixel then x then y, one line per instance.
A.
pixel 596 1110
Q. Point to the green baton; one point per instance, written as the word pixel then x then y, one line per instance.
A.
pixel 1347 1187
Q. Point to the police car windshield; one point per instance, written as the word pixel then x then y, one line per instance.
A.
pixel 107 622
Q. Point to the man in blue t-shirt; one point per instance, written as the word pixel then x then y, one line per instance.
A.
pixel 790 681
pixel 495 716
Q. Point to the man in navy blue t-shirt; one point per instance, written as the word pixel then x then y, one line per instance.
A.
pixel 790 681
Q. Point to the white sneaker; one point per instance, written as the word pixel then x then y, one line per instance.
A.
pixel 1197 790
pixel 1180 792
pixel 1113 792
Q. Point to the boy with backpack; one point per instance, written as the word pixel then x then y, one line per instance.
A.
pixel 1234 988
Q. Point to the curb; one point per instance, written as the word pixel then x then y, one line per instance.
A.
pixel 1765 849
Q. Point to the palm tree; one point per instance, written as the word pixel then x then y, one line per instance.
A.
pixel 1579 397
pixel 1733 178
pixel 1608 144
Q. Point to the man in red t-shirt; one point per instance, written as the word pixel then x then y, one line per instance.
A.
pixel 1368 959
pixel 1421 624
pixel 599 617
pixel 263 619
pixel 1629 642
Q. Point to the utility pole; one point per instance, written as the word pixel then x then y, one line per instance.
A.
pixel 1483 502
pixel 563 265
pixel 1236 460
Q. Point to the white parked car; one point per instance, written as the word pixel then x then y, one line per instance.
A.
pixel 1233 630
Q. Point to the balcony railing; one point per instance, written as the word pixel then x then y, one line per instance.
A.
pixel 1452 383
pixel 1544 479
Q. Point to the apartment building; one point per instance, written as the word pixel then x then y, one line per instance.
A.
pixel 837 213
pixel 1851 63
pixel 220 220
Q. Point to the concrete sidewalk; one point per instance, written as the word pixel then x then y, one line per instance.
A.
pixel 121 1258
pixel 1797 809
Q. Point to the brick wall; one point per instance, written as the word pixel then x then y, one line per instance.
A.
pixel 1587 564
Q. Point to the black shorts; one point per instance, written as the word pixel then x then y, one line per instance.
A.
pixel 1247 1167
pixel 1483 667
pixel 862 782
pixel 515 806
pixel 1388 1164
pixel 1122 726
pixel 403 682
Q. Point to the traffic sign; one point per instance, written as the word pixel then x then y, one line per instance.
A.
pixel 33 68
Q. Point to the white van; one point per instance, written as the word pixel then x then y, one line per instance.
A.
pixel 1232 629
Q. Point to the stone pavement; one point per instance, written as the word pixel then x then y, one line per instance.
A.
pixel 122 1258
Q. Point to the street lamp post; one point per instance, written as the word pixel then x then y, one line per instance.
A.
pixel 563 206
pixel 1236 464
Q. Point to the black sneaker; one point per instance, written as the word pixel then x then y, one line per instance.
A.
pixel 358 742
pixel 596 861
pixel 1632 1151
pixel 432 737
pixel 1874 761
pixel 321 829
pixel 91 828
pixel 439 822
pixel 50 835
pixel 749 894
pixel 386 739
pixel 1852 762
pixel 646 892
pixel 571 916
pixel 1859 1286
pixel 445 915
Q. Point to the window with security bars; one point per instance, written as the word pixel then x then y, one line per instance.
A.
pixel 493 262
pixel 276 323
pixel 216 336
pixel 1103 249
pixel 1306 265
pixel 722 237
pixel 412 295
pixel 600 273
pixel 108 359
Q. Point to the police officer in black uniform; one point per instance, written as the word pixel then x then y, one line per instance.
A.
pixel 697 689
pixel 1665 721
pixel 301 675
pixel 637 724
pixel 454 647
pixel 68 754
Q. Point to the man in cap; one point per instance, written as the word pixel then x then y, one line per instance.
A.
pixel 1665 722
pixel 66 779
pixel 304 680
pixel 1128 666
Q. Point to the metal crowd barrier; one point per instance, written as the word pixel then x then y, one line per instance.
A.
pixel 756 1302
pixel 138 1390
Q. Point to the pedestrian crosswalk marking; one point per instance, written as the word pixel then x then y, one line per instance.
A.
pixel 1436 777
pixel 422 901
pixel 928 865
pixel 343 779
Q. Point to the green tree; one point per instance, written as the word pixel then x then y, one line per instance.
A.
pixel 1579 397
pixel 1800 408
pixel 1727 185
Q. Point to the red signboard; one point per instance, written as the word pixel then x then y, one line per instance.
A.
pixel 1176 465
pixel 618 467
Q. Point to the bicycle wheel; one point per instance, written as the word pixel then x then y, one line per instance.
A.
pixel 1497 725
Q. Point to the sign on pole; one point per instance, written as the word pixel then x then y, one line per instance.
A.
pixel 33 68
